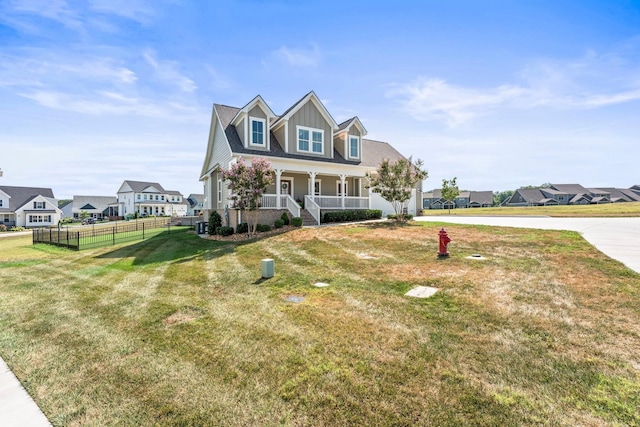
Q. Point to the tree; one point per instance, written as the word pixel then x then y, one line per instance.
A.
pixel 395 180
pixel 501 196
pixel 450 191
pixel 248 183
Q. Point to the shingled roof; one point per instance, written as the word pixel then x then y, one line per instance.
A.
pixel 19 196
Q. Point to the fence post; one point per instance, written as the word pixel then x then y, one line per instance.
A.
pixel 114 235
pixel 143 230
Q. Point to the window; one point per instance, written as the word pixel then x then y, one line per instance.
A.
pixel 138 196
pixel 339 188
pixel 145 197
pixel 257 132
pixel 353 147
pixel 38 205
pixel 162 198
pixel 156 197
pixel 1 201
pixel 219 190
pixel 310 140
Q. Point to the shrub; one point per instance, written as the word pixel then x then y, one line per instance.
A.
pixel 296 221
pixel 3 227
pixel 243 227
pixel 215 221
pixel 278 223
pixel 261 228
pixel 407 217
pixel 285 218
pixel 224 231
pixel 16 228
pixel 351 215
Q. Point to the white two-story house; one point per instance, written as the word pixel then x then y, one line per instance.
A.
pixel 28 207
pixel 149 198
pixel 318 164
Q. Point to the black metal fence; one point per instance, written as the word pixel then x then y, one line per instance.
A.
pixel 101 235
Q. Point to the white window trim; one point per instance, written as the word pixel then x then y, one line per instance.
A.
pixel 311 130
pixel 219 191
pixel 264 132
pixel 312 190
pixel 357 138
pixel 346 187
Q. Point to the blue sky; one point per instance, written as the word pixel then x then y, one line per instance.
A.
pixel 500 94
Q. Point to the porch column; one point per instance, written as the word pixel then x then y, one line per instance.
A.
pixel 278 187
pixel 313 185
pixel 343 179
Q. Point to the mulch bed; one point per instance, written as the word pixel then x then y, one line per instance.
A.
pixel 244 236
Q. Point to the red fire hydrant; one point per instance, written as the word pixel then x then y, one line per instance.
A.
pixel 444 241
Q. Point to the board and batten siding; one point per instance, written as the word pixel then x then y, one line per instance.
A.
pixel 220 155
pixel 309 116
pixel 257 113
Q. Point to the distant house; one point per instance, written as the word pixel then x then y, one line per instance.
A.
pixel 28 207
pixel 98 207
pixel 149 198
pixel 571 194
pixel 196 204
pixel 319 165
pixel 466 199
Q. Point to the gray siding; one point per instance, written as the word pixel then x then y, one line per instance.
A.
pixel 338 143
pixel 309 116
pixel 257 112
pixel 279 134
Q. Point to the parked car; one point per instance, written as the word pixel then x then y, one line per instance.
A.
pixel 89 220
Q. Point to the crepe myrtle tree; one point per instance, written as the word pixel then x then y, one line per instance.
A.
pixel 248 182
pixel 450 191
pixel 395 180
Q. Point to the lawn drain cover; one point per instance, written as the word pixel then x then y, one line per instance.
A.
pixel 294 298
pixel 320 285
pixel 422 292
pixel 476 256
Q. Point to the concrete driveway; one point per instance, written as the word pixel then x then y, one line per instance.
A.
pixel 618 238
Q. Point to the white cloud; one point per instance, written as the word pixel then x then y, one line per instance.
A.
pixel 298 57
pixel 167 71
pixel 593 81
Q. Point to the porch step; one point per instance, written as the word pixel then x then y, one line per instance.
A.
pixel 307 218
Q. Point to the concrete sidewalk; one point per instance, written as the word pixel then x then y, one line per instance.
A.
pixel 618 238
pixel 17 408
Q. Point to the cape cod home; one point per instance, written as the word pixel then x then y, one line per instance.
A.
pixel 28 207
pixel 98 207
pixel 149 198
pixel 319 165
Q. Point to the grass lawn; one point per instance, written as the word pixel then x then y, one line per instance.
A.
pixel 629 209
pixel 178 330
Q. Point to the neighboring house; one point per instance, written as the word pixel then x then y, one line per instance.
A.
pixel 28 207
pixel 149 198
pixel 571 194
pixel 318 164
pixel 66 209
pixel 98 207
pixel 466 199
pixel 196 204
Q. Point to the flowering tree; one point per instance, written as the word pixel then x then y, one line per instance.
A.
pixel 395 180
pixel 450 191
pixel 248 183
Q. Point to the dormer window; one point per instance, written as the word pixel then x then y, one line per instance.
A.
pixel 38 205
pixel 310 140
pixel 354 147
pixel 258 127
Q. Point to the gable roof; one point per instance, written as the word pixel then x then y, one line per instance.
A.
pixel 255 101
pixel 354 121
pixel 375 152
pixel 481 197
pixel 226 115
pixel 569 188
pixel 140 186
pixel 309 97
pixel 99 203
pixel 19 196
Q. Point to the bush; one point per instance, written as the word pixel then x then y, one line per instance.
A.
pixel 16 228
pixel 243 227
pixel 3 227
pixel 261 228
pixel 296 221
pixel 215 221
pixel 407 217
pixel 278 223
pixel 224 231
pixel 284 218
pixel 351 215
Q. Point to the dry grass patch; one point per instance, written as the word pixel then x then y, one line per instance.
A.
pixel 179 330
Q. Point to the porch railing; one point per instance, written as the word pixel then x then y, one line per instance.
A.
pixel 313 208
pixel 335 202
pixel 270 201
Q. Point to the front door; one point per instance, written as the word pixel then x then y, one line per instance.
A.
pixel 286 187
